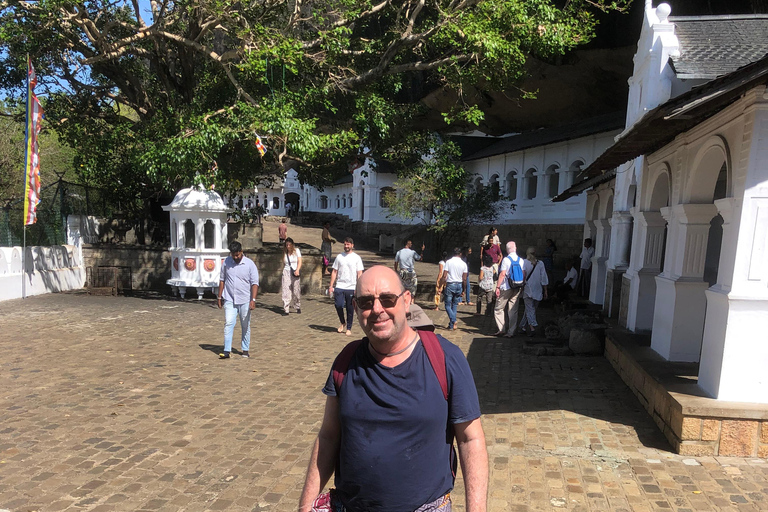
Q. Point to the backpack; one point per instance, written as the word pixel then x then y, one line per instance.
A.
pixel 515 277
pixel 432 347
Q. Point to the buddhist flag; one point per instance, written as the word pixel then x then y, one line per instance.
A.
pixel 260 146
pixel 31 150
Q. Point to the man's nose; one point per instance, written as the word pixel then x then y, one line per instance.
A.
pixel 377 307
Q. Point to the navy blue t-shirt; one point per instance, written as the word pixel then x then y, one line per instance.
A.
pixel 397 429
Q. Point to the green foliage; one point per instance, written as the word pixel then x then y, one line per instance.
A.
pixel 150 103
pixel 438 192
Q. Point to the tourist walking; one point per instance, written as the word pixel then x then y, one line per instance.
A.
pixel 440 282
pixel 347 268
pixel 395 402
pixel 291 284
pixel 465 252
pixel 485 286
pixel 454 275
pixel 585 270
pixel 535 290
pixel 238 288
pixel 508 290
pixel 282 232
pixel 492 246
pixel 326 247
pixel 404 265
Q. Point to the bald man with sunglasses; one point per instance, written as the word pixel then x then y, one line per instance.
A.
pixel 388 428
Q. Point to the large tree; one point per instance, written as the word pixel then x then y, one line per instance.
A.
pixel 151 98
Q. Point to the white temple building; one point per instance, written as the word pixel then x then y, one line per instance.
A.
pixel 678 205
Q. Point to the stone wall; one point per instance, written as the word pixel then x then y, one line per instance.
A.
pixel 151 267
pixel 693 424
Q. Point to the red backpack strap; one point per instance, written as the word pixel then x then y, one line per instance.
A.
pixel 436 356
pixel 341 364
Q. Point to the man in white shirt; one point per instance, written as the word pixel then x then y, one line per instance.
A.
pixel 455 276
pixel 506 294
pixel 347 268
pixel 585 272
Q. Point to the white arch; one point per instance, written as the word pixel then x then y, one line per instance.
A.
pixel 705 171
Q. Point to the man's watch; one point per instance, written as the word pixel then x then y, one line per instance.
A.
pixel 253 300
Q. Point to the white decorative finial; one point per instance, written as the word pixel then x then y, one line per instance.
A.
pixel 662 12
pixel 648 4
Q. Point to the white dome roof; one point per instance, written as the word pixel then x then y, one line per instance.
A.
pixel 198 200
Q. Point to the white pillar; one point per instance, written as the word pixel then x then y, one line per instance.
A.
pixel 734 354
pixel 645 265
pixel 521 183
pixel 678 322
pixel 618 261
pixel 601 243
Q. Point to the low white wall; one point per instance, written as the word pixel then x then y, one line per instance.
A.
pixel 47 270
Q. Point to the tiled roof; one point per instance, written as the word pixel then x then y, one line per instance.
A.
pixel 591 126
pixel 661 125
pixel 712 46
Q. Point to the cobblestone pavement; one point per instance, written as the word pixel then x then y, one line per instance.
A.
pixel 121 403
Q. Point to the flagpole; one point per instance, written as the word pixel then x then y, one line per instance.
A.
pixel 23 265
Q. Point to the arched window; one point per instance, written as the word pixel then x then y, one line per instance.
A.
pixel 478 184
pixel 511 186
pixel 343 201
pixel 323 202
pixel 189 234
pixel 494 183
pixel 275 203
pixel 531 183
pixel 385 197
pixel 209 234
pixel 573 170
pixel 553 180
pixel 349 200
pixel 338 203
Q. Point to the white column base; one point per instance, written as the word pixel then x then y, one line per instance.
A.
pixel 642 301
pixel 678 320
pixel 734 353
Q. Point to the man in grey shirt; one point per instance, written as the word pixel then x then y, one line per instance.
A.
pixel 238 287
pixel 404 266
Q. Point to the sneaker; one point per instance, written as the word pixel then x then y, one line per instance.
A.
pixel 224 355
pixel 245 354
pixel 298 311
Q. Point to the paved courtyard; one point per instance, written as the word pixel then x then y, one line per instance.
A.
pixel 121 403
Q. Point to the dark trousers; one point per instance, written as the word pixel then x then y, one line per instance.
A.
pixel 585 280
pixel 343 299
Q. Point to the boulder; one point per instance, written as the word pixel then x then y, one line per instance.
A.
pixel 587 339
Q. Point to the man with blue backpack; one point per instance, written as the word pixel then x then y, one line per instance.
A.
pixel 508 290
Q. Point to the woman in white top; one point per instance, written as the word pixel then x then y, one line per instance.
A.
pixel 535 290
pixel 291 272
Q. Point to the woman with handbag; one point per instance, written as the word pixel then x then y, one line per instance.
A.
pixel 291 272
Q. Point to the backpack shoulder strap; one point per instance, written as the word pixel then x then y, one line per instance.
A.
pixel 436 357
pixel 341 364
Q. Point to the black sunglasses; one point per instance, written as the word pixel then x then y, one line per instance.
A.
pixel 387 300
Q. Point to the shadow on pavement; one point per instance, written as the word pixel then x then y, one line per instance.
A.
pixel 509 381
pixel 216 349
pixel 323 328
